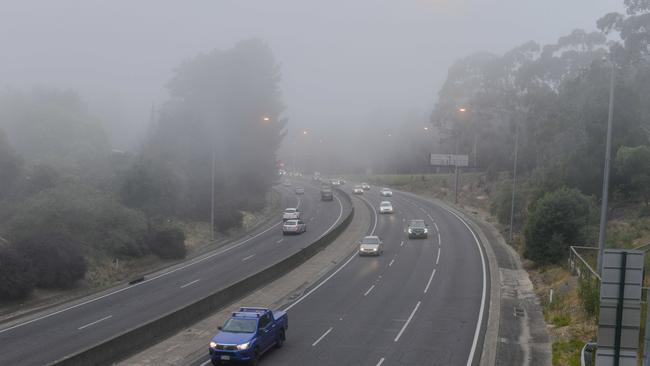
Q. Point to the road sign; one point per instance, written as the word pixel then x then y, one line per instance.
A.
pixel 449 160
pixel 620 307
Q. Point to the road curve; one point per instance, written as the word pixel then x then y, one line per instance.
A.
pixel 422 303
pixel 47 336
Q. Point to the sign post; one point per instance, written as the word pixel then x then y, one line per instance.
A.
pixel 456 161
pixel 620 308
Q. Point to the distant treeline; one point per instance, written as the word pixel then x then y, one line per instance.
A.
pixel 555 99
pixel 66 197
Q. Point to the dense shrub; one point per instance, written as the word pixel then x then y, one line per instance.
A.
pixel 56 260
pixel 500 205
pixel 82 214
pixel 17 276
pixel 555 222
pixel 168 243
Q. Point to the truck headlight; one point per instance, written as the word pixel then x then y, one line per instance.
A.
pixel 243 346
pixel 213 344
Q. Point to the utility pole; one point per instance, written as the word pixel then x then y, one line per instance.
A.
pixel 514 182
pixel 212 197
pixel 608 148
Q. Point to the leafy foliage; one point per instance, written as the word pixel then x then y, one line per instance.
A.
pixel 17 277
pixel 633 166
pixel 555 222
pixel 56 261
pixel 169 243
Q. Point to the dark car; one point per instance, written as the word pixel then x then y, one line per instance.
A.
pixel 417 229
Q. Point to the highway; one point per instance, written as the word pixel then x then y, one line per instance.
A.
pixel 50 335
pixel 423 302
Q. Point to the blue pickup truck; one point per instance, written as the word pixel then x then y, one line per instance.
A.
pixel 247 335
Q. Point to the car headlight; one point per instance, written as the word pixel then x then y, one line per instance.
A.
pixel 243 346
pixel 213 344
pixel 426 230
pixel 410 231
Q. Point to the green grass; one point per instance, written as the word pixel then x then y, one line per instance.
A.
pixel 567 352
pixel 561 320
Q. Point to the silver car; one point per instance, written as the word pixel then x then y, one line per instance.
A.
pixel 294 227
pixel 371 245
pixel 385 192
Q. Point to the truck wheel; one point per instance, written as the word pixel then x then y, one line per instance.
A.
pixel 280 342
pixel 256 357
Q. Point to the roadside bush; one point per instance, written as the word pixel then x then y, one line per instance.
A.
pixel 17 277
pixel 555 222
pixel 56 260
pixel 168 243
pixel 83 215
pixel 501 202
pixel 227 217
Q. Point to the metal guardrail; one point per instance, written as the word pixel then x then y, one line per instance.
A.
pixel 578 265
pixel 587 354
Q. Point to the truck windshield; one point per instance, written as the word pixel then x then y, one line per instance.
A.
pixel 240 326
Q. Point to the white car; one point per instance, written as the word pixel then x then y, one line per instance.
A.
pixel 365 186
pixel 385 192
pixel 371 245
pixel 291 214
pixel 385 207
pixel 293 227
pixel 357 190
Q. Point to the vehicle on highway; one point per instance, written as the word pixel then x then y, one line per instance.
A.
pixel 365 186
pixel 286 183
pixel 290 214
pixel 335 182
pixel 342 181
pixel 371 245
pixel 247 335
pixel 294 227
pixel 385 207
pixel 385 192
pixel 299 190
pixel 357 190
pixel 326 193
pixel 417 229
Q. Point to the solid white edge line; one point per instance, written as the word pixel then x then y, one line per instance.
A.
pixel 321 337
pixel 247 258
pixel 436 226
pixel 381 360
pixel 439 240
pixel 372 208
pixel 95 322
pixel 407 321
pixel 203 259
pixel 438 257
pixel 370 289
pixel 191 283
pixel 426 289
pixel 482 309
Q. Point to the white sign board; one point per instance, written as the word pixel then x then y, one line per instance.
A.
pixel 449 160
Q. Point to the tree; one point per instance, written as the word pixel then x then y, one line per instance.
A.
pixel 56 260
pixel 633 169
pixel 17 276
pixel 224 103
pixel 555 222
pixel 169 243
pixel 11 166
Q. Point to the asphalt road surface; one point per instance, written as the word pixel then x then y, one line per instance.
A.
pixel 45 337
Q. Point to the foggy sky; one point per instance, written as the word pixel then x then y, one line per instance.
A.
pixel 342 60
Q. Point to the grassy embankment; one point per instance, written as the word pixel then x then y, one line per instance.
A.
pixel 571 318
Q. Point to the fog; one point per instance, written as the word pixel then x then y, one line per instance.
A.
pixel 342 62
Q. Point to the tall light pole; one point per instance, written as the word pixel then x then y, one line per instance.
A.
pixel 212 196
pixel 514 181
pixel 608 149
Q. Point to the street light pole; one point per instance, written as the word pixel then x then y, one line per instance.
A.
pixel 608 148
pixel 212 197
pixel 514 182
